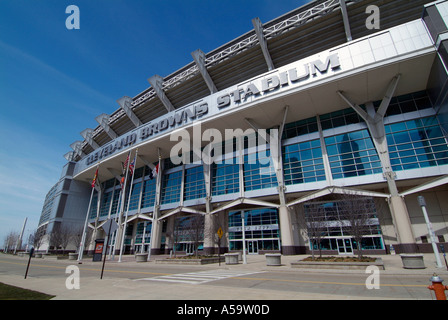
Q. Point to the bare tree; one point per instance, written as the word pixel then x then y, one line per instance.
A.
pixel 10 241
pixel 76 236
pixel 314 223
pixel 189 229
pixel 38 238
pixel 195 231
pixel 175 235
pixel 357 213
pixel 62 236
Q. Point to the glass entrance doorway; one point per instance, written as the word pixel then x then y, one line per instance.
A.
pixel 345 246
pixel 252 247
pixel 261 230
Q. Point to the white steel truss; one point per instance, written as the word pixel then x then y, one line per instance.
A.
pixel 250 40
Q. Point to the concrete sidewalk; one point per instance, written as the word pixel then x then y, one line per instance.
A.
pixel 122 288
pixel 393 265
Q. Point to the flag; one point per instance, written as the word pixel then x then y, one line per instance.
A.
pixel 122 182
pixel 131 167
pixel 154 172
pixel 95 177
pixel 126 163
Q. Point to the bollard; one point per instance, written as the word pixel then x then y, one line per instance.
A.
pixel 438 287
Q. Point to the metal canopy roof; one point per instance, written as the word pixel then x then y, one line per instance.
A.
pixel 312 28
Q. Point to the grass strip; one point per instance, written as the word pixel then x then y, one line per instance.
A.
pixel 8 292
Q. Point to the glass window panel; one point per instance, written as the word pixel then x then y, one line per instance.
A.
pixel 422 138
pixel 306 160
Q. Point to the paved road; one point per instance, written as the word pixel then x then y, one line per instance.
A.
pixel 131 280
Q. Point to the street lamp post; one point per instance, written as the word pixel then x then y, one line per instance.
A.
pixel 244 237
pixel 422 203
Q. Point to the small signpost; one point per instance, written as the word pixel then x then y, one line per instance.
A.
pixel 29 260
pixel 422 203
pixel 442 248
pixel 219 233
pixel 110 225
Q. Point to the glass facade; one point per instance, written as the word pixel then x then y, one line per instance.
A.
pixel 352 154
pixel 259 172
pixel 417 142
pixel 332 222
pixel 105 204
pixel 171 187
pixel 261 230
pixel 142 236
pixel 194 183
pixel 225 178
pixel 407 103
pixel 339 118
pixel 414 141
pixel 48 204
pixel 188 234
pixel 135 196
pixel 149 193
pixel 298 128
pixel 116 202
pixel 94 206
pixel 303 162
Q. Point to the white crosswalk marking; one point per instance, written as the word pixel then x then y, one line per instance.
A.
pixel 199 277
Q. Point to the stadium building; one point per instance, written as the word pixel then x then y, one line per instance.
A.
pixel 334 110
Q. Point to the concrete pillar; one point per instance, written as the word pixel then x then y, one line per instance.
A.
pixel 209 233
pixel 286 234
pixel 170 234
pixel 402 224
pixel 156 233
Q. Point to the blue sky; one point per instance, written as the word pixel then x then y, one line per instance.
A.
pixel 55 81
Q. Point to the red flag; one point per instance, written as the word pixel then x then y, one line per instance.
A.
pixel 95 177
pixel 126 162
pixel 155 171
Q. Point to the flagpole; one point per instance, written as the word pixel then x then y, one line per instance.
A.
pixel 156 204
pixel 114 234
pixel 123 199
pixel 109 215
pixel 129 201
pixel 118 214
pixel 83 239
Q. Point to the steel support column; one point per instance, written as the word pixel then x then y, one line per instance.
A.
pixel 375 124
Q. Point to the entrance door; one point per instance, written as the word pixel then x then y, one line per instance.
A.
pixel 345 246
pixel 189 250
pixel 252 247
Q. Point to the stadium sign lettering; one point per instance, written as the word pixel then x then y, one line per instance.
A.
pixel 115 145
pixel 178 118
pixel 239 95
pixel 282 79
